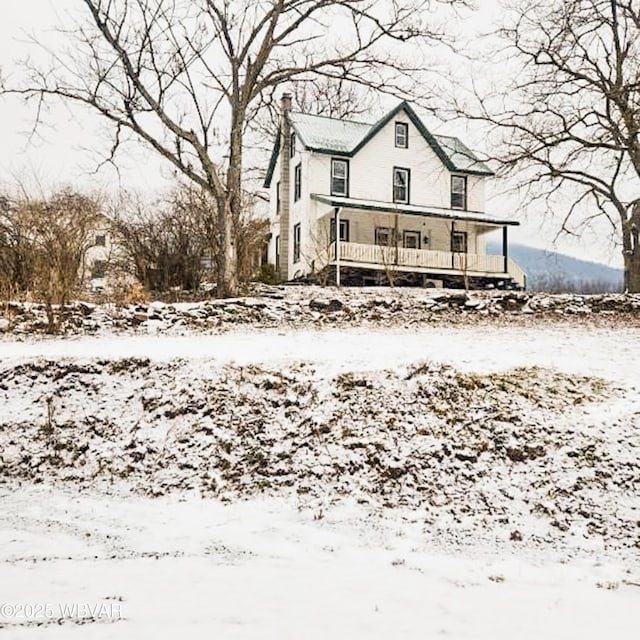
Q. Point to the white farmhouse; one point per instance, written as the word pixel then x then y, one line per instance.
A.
pixel 409 205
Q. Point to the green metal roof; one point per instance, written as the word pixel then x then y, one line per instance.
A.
pixel 347 137
pixel 328 134
pixel 461 156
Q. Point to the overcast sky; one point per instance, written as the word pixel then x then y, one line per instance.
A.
pixel 66 150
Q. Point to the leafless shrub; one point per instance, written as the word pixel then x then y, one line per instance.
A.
pixel 43 244
pixel 173 243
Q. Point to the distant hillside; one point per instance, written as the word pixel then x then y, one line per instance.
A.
pixel 556 272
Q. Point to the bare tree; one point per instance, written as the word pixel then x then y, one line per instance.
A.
pixel 324 96
pixel 388 247
pixel 162 243
pixel 170 242
pixel 570 118
pixel 187 77
pixel 43 244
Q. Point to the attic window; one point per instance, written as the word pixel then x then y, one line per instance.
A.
pixel 402 135
pixel 101 240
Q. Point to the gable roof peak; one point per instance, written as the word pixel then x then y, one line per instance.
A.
pixel 345 137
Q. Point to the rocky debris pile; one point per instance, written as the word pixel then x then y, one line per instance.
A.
pixel 306 306
pixel 522 453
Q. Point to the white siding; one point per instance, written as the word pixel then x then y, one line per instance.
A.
pixel 371 178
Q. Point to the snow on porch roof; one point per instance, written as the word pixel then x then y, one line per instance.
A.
pixel 392 207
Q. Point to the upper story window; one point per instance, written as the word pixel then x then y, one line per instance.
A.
pixel 339 177
pixel 297 182
pixel 278 198
pixel 458 192
pixel 101 240
pixel 292 144
pixel 401 179
pixel 402 135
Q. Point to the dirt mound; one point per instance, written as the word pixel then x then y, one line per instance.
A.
pixel 523 450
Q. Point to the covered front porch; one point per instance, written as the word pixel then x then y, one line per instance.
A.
pixel 447 246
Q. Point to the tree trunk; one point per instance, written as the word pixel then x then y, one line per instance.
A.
pixel 633 275
pixel 227 258
pixel 229 212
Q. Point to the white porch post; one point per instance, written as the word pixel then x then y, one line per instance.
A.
pixel 336 223
pixel 505 249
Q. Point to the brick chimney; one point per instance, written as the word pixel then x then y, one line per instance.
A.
pixel 285 184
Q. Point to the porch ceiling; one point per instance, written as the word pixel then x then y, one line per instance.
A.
pixel 428 212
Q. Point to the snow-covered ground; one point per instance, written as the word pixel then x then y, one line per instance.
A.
pixel 259 569
pixel 111 564
pixel 571 348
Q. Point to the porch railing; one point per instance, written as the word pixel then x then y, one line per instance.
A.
pixel 424 258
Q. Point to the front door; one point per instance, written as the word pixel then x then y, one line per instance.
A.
pixel 411 239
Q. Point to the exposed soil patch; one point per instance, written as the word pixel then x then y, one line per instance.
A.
pixel 522 450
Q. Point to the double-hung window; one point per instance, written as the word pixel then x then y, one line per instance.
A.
pixel 297 183
pixel 458 192
pixel 292 145
pixel 459 242
pixel 411 239
pixel 344 230
pixel 98 269
pixel 339 177
pixel 402 135
pixel 401 179
pixel 297 237
pixel 385 236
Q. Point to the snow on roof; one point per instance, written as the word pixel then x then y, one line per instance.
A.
pixel 330 134
pixel 460 155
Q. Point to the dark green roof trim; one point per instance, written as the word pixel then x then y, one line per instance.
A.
pixel 272 162
pixel 390 207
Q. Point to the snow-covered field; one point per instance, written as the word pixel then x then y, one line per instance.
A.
pixel 106 562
